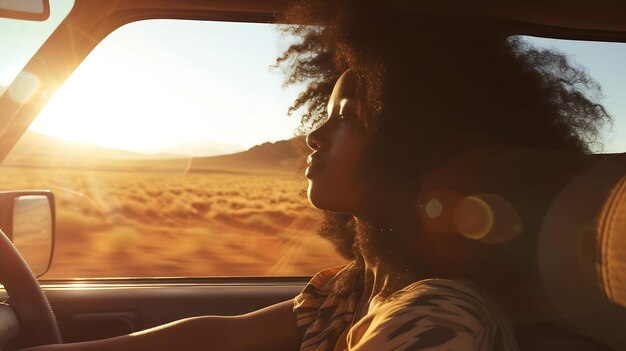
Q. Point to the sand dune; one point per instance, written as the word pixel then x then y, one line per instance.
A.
pixel 38 151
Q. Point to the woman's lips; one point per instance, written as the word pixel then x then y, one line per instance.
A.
pixel 315 167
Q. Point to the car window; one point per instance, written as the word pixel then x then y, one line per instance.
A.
pixel 25 38
pixel 170 154
pixel 604 62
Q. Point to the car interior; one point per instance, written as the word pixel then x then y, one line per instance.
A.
pixel 558 220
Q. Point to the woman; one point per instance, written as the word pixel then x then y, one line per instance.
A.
pixel 407 93
pixel 414 91
pixel 380 312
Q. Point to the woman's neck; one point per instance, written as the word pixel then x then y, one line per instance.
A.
pixel 388 262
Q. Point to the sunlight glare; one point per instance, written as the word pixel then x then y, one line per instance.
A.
pixel 141 92
pixel 24 87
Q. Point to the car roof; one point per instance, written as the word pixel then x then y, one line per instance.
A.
pixel 583 19
pixel 580 17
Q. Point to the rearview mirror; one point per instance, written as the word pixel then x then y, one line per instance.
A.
pixel 28 220
pixel 29 10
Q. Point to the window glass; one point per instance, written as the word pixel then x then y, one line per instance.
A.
pixel 605 63
pixel 25 38
pixel 170 153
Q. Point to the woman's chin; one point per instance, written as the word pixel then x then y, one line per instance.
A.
pixel 325 201
pixel 316 199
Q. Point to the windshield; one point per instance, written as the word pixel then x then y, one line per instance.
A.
pixel 25 38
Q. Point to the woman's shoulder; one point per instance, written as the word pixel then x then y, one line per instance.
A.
pixel 326 277
pixel 319 287
pixel 316 308
pixel 318 291
pixel 459 300
pixel 451 314
pixel 442 292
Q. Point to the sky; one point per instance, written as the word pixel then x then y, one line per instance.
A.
pixel 185 87
pixel 605 62
pixel 198 88
pixel 25 38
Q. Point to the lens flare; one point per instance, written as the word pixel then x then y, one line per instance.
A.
pixel 488 218
pixel 24 87
pixel 433 208
pixel 473 218
pixel 188 166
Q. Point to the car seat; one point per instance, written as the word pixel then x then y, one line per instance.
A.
pixel 544 232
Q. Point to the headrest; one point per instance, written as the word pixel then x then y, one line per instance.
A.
pixel 543 231
pixel 582 252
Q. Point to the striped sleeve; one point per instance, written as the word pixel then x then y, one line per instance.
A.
pixel 434 315
pixel 307 304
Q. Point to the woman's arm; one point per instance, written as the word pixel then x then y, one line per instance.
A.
pixel 271 328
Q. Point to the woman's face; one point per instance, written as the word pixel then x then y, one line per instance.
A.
pixel 335 172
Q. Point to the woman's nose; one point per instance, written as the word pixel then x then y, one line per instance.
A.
pixel 316 139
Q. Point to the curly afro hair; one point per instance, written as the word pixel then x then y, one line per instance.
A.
pixel 432 87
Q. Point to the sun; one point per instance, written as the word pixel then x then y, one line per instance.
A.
pixel 142 91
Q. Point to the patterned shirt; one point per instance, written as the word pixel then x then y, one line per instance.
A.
pixel 431 314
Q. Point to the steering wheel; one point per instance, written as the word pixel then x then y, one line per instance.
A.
pixel 29 309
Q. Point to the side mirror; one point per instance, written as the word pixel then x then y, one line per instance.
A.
pixel 28 218
pixel 29 10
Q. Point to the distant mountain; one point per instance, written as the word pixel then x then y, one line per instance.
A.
pixel 282 155
pixel 37 150
pixel 203 149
